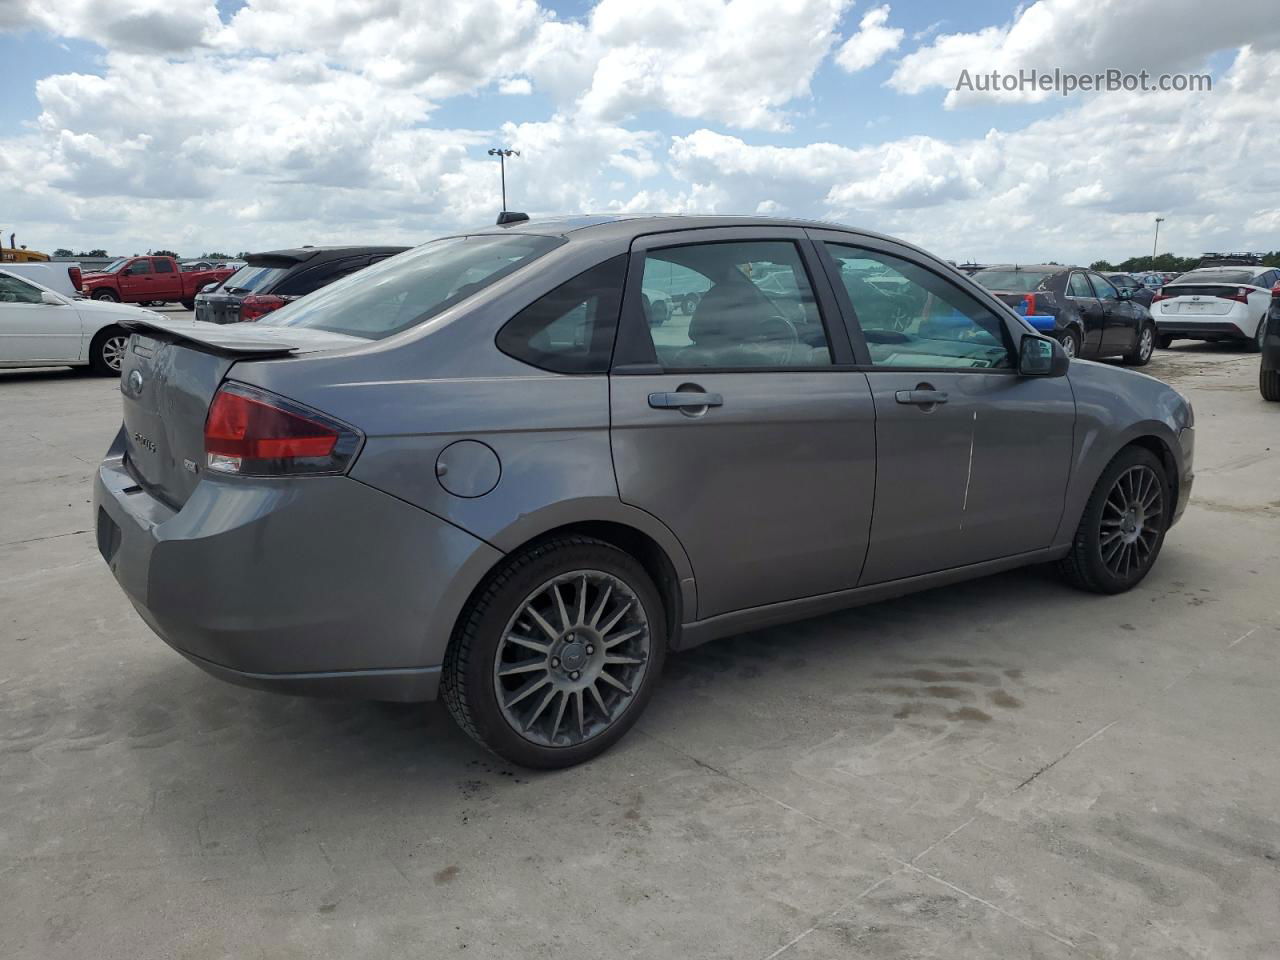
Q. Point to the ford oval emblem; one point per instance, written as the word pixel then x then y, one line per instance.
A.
pixel 135 382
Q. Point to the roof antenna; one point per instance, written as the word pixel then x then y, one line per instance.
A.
pixel 511 216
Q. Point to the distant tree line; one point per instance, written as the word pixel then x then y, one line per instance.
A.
pixel 1167 262
pixel 99 252
pixel 96 252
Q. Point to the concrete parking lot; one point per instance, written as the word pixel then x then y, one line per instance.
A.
pixel 1004 768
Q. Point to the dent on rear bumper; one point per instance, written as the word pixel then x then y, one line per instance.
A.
pixel 315 585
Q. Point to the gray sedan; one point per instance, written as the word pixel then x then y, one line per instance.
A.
pixel 480 470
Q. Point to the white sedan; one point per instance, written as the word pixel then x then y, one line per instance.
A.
pixel 42 328
pixel 1216 303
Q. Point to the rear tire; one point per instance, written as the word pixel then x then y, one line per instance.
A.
pixel 565 712
pixel 1164 341
pixel 108 296
pixel 106 353
pixel 1070 341
pixel 1269 384
pixel 188 304
pixel 1123 525
pixel 1140 355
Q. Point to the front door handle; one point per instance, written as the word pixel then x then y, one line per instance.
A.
pixel 921 398
pixel 684 399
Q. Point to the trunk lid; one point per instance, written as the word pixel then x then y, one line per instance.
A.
pixel 169 376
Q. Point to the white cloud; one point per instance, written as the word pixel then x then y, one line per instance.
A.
pixel 515 86
pixel 739 62
pixel 1088 36
pixel 872 41
pixel 163 26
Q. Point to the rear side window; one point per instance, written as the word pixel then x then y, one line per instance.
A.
pixel 313 278
pixel 413 287
pixel 571 329
pixel 1078 286
pixel 253 278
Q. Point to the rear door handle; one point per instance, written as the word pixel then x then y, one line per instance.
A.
pixel 684 399
pixel 921 398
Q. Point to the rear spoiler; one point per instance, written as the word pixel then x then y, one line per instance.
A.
pixel 243 339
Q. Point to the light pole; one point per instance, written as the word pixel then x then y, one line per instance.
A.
pixel 1155 242
pixel 502 153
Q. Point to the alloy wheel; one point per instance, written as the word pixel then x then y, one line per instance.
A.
pixel 572 658
pixel 1132 518
pixel 113 349
pixel 1146 344
pixel 1069 346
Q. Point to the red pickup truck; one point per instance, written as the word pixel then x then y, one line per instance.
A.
pixel 149 280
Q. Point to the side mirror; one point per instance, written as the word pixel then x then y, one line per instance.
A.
pixel 52 299
pixel 1041 357
pixel 1125 293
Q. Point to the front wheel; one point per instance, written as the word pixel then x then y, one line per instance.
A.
pixel 188 304
pixel 1140 355
pixel 108 296
pixel 1123 526
pixel 106 353
pixel 558 655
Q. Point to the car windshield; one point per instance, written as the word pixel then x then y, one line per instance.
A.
pixel 414 286
pixel 252 278
pixel 115 266
pixel 1013 281
pixel 1218 276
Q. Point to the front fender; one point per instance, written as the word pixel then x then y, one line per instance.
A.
pixel 1114 408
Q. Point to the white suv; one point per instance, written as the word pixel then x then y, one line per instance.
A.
pixel 1216 303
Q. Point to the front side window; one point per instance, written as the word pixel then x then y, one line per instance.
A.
pixel 13 290
pixel 413 287
pixel 572 328
pixel 732 305
pixel 912 317
pixel 139 266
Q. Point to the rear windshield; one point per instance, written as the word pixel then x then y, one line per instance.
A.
pixel 405 290
pixel 1218 276
pixel 1013 281
pixel 251 279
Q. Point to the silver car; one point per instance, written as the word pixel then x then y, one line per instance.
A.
pixel 479 470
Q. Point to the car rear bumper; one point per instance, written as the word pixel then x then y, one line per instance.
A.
pixel 318 585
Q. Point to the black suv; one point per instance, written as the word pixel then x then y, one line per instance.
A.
pixel 268 281
pixel 1081 309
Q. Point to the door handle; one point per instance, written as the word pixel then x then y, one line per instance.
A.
pixel 684 400
pixel 921 398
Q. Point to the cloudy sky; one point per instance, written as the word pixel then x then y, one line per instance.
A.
pixel 251 124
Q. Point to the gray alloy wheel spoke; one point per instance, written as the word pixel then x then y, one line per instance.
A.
pixel 595 695
pixel 591 640
pixel 527 667
pixel 113 352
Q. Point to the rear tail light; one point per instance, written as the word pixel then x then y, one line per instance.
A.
pixel 1030 309
pixel 1241 295
pixel 1159 296
pixel 259 305
pixel 250 432
pixel 77 279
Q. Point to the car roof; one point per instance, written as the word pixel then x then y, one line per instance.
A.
pixel 303 254
pixel 638 224
pixel 1033 267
